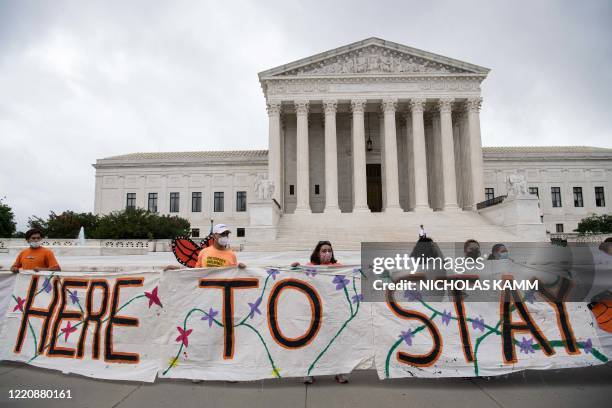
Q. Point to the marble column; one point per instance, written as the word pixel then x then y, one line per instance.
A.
pixel 390 157
pixel 360 192
pixel 421 200
pixel 331 158
pixel 475 149
pixel 449 178
pixel 275 167
pixel 302 163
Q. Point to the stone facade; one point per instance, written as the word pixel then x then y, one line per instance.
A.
pixel 371 127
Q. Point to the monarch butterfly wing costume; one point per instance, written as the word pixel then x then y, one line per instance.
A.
pixel 186 251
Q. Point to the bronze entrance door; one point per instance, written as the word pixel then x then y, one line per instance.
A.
pixel 374 182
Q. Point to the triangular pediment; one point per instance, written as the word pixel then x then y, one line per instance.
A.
pixel 373 57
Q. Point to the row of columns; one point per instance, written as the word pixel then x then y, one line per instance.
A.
pixel 389 155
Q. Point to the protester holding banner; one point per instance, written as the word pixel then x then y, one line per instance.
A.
pixel 218 254
pixel 499 251
pixel 323 254
pixel 36 257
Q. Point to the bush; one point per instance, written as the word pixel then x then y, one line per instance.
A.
pixel 7 221
pixel 64 225
pixel 595 224
pixel 139 224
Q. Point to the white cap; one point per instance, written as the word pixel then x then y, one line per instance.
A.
pixel 220 229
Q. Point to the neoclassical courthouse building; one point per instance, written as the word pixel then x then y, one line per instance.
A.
pixel 366 142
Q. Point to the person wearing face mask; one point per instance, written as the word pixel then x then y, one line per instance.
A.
pixel 471 249
pixel 323 254
pixel 499 251
pixel 36 257
pixel 219 253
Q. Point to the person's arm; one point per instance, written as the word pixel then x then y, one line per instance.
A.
pixel 17 264
pixel 239 264
pixel 295 264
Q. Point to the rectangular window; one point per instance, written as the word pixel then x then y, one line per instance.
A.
pixel 534 190
pixel 240 232
pixel 555 193
pixel 600 200
pixel 196 201
pixel 291 189
pixel 152 202
pixel 195 233
pixel 578 197
pixel 174 202
pixel 240 201
pixel 559 227
pixel 489 193
pixel 316 189
pixel 218 204
pixel 130 201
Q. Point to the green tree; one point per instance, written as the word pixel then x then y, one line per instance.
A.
pixel 139 223
pixel 64 225
pixel 595 224
pixel 7 220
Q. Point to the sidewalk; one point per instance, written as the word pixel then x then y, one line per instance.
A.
pixel 582 387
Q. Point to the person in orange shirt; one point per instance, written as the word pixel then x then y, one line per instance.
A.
pixel 219 253
pixel 36 257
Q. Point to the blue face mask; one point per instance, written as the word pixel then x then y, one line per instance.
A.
pixel 503 255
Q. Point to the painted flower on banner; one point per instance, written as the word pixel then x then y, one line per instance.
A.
pixel 69 328
pixel 74 298
pixel 183 336
pixel 413 295
pixel 19 305
pixel 446 317
pixel 312 272
pixel 526 346
pixel 588 346
pixel 478 324
pixel 254 308
pixel 153 298
pixel 273 272
pixel 358 298
pixel 340 281
pixel 356 270
pixel 47 284
pixel 210 316
pixel 407 336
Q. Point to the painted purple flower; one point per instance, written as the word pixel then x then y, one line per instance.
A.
pixel 356 270
pixel 407 336
pixel 446 317
pixel 340 281
pixel 210 316
pixel 47 284
pixel 358 298
pixel 254 308
pixel 588 346
pixel 413 295
pixel 273 272
pixel 478 324
pixel 73 296
pixel 530 296
pixel 311 272
pixel 526 346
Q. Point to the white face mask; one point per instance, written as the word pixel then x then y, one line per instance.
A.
pixel 35 244
pixel 223 241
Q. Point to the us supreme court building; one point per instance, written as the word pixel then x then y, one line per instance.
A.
pixel 367 142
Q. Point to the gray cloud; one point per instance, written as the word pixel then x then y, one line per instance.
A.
pixel 80 81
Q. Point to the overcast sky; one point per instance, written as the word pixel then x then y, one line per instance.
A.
pixel 80 81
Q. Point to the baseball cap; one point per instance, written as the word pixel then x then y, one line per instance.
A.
pixel 220 229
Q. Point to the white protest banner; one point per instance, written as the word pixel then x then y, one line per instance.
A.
pixel 455 339
pixel 97 325
pixel 256 323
